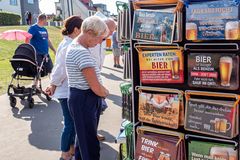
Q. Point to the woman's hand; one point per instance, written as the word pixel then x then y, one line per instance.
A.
pixel 50 89
pixel 96 87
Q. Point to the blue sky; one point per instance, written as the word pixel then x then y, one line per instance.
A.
pixel 48 6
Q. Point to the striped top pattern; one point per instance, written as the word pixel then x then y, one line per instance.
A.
pixel 77 59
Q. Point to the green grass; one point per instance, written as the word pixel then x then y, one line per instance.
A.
pixel 108 52
pixel 7 49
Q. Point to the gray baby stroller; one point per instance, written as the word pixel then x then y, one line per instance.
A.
pixel 26 67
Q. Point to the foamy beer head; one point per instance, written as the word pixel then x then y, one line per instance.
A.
pixel 191 31
pixel 225 66
pixel 232 30
pixel 219 153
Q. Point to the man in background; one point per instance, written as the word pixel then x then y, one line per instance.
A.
pixel 41 43
pixel 98 52
pixel 116 51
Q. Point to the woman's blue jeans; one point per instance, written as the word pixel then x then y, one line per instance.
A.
pixel 68 132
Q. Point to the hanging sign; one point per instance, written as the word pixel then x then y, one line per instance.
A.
pixel 213 70
pixel 213 20
pixel 153 26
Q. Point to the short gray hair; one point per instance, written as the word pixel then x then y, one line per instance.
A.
pixel 110 23
pixel 95 24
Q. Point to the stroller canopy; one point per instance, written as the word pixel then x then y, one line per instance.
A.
pixel 26 51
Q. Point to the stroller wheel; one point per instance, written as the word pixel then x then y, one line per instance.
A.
pixel 30 102
pixel 13 101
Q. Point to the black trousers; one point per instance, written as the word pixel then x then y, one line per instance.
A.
pixel 47 65
pixel 85 108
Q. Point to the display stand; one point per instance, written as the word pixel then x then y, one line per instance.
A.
pixel 228 47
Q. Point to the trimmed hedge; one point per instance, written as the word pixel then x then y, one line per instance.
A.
pixel 7 18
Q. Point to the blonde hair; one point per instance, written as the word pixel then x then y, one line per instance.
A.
pixel 96 25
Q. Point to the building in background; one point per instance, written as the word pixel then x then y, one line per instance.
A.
pixel 102 8
pixel 21 7
pixel 66 8
pixel 13 6
pixel 31 6
pixel 84 8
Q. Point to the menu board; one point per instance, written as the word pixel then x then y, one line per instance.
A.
pixel 200 150
pixel 163 66
pixel 160 109
pixel 213 117
pixel 153 26
pixel 153 146
pixel 213 20
pixel 210 70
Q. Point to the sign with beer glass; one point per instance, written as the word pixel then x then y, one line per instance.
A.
pixel 163 108
pixel 213 117
pixel 211 70
pixel 153 26
pixel 213 20
pixel 156 144
pixel 200 149
pixel 161 66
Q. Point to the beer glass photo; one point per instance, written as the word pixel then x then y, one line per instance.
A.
pixel 217 125
pixel 161 156
pixel 225 66
pixel 167 157
pixel 219 153
pixel 232 153
pixel 191 31
pixel 175 68
pixel 224 126
pixel 232 30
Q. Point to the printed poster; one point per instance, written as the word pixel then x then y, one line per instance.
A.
pixel 200 150
pixel 208 70
pixel 163 66
pixel 156 147
pixel 160 109
pixel 213 117
pixel 153 26
pixel 213 20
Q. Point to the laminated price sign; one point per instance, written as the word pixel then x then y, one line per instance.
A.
pixel 208 70
pixel 160 109
pixel 153 26
pixel 211 117
pixel 164 145
pixel 163 66
pixel 213 20
pixel 211 150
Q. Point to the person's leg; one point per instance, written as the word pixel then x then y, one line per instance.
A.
pixel 68 132
pixel 77 155
pixel 49 65
pixel 101 102
pixel 114 57
pixel 83 107
pixel 118 54
pixel 117 60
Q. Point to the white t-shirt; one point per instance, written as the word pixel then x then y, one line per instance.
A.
pixel 98 53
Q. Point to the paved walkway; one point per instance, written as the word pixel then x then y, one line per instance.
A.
pixel 34 134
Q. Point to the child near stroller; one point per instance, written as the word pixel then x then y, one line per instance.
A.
pixel 26 67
